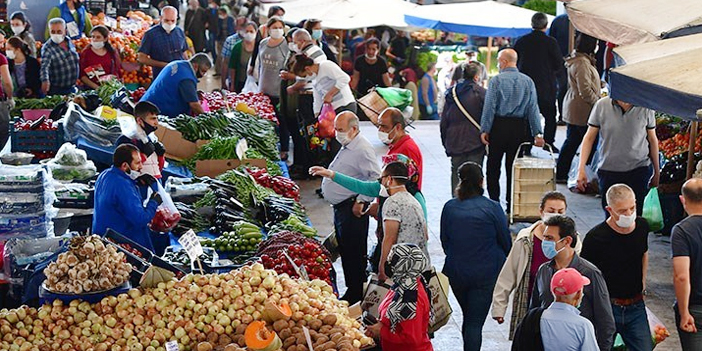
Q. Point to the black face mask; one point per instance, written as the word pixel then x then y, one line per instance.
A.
pixel 198 74
pixel 148 129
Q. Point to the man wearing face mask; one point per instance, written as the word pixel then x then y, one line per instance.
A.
pixel 174 90
pixel 356 159
pixel 370 70
pixel 559 246
pixel 619 247
pixel 561 326
pixel 391 131
pixel 118 201
pixel 163 43
pixel 151 150
pixel 60 63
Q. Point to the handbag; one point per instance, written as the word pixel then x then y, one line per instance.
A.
pixel 460 107
pixel 331 243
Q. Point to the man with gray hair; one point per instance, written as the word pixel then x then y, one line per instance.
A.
pixel 60 63
pixel 163 43
pixel 356 159
pixel 619 248
pixel 391 131
pixel 174 90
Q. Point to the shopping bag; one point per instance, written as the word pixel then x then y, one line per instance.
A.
pixel 658 331
pixel 167 215
pixel 326 121
pixel 331 243
pixel 438 286
pixel 396 97
pixel 652 211
pixel 374 294
pixel 250 85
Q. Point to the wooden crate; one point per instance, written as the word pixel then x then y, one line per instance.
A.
pixel 532 177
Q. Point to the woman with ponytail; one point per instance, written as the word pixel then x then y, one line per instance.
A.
pixel 100 59
pixel 24 69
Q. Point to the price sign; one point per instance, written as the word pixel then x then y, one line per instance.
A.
pixel 241 148
pixel 172 346
pixel 191 245
pixel 299 270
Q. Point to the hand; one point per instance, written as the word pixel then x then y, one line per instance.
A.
pixel 373 331
pixel 147 148
pixel 430 110
pixel 687 323
pixel 485 138
pixel 159 148
pixel 499 320
pixel 45 87
pixel 399 60
pixel 157 197
pixel 148 180
pixel 539 142
pixel 10 103
pixel 250 71
pixel 318 171
pixel 285 75
pixel 582 180
pixel 328 98
pixel 655 179
pixel 357 209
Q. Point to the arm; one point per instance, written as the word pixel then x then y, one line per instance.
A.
pixel 145 59
pixel 188 92
pixel 391 228
pixel 136 214
pixel 444 230
pixel 507 282
pixel 196 108
pixel 489 109
pixel 588 89
pixel 533 112
pixel 681 275
pixel 389 53
pixel 6 80
pixel 424 86
pixel 585 150
pixel 369 188
pixel 422 202
pixel 44 69
pixel 89 82
pixel 603 319
pixel 644 265
pixel 535 300
pixel 330 94
pixel 653 155
pixel 386 79
pixel 354 80
pixel 504 238
pixel 590 339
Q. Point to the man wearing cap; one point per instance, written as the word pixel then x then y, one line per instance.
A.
pixel 559 246
pixel 472 56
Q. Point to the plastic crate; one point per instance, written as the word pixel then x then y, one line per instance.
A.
pixel 36 140
pixel 33 115
pixel 115 239
pixel 80 202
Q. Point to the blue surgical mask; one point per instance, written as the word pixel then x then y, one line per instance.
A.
pixel 316 34
pixel 549 248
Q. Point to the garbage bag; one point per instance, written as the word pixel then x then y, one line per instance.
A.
pixel 326 122
pixel 652 211
pixel 79 123
pixel 396 97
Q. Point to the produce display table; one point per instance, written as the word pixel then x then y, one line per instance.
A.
pixel 46 296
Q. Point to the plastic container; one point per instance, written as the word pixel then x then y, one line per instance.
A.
pixel 113 238
pixel 61 223
pixel 33 115
pixel 46 296
pixel 36 140
pixel 17 158
pixel 132 86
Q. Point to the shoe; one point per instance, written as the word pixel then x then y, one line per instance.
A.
pixel 319 193
pixel 561 123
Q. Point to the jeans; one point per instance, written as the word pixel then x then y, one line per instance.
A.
pixel 476 156
pixel 475 303
pixel 637 179
pixel 574 137
pixel 506 135
pixel 352 233
pixel 547 107
pixel 690 341
pixel 632 325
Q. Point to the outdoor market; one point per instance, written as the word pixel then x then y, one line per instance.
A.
pixel 346 175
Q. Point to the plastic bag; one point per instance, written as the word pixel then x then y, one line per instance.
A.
pixel 70 155
pixel 593 182
pixel 396 97
pixel 167 215
pixel 71 163
pixel 326 121
pixel 121 101
pixel 658 331
pixel 29 186
pixel 652 211
pixel 250 85
pixel 77 123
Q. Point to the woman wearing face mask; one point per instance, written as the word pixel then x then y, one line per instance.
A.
pixel 377 189
pixel 24 69
pixel 272 54
pixel 239 60
pixel 428 93
pixel 23 29
pixel 314 27
pixel 405 312
pixel 476 240
pixel 523 261
pixel 99 60
pixel 370 70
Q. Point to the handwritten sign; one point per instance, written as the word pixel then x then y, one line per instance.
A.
pixel 191 245
pixel 172 346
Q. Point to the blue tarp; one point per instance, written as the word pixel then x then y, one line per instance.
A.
pixel 479 31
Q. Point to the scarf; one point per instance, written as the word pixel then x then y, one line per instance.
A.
pixel 408 262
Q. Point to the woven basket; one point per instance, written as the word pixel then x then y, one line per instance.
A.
pixel 372 105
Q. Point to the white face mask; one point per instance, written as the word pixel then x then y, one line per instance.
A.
pixel 17 29
pixel 384 137
pixel 97 44
pixel 10 54
pixel 276 33
pixel 57 38
pixel 371 57
pixel 383 191
pixel 293 47
pixel 626 221
pixel 168 27
pixel 134 174
pixel 343 138
pixel 311 76
pixel 547 215
pixel 248 36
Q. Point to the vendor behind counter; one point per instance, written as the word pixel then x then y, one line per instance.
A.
pixel 150 149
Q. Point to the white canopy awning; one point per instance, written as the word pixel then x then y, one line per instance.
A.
pixel 626 22
pixel 483 18
pixel 348 14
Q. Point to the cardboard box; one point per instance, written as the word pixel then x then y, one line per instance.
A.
pixel 213 168
pixel 177 148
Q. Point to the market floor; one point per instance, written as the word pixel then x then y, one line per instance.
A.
pixel 584 209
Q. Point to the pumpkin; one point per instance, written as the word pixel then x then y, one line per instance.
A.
pixel 259 338
pixel 273 312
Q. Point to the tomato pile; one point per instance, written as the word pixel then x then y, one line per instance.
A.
pixel 164 220
pixel 40 124
pixel 679 144
pixel 138 94
pixel 308 255
pixel 128 248
pixel 281 185
pixel 260 103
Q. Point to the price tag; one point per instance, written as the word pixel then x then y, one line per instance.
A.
pixel 172 346
pixel 299 270
pixel 241 148
pixel 191 245
pixel 307 336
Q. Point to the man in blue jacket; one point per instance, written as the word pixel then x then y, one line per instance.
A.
pixel 118 202
pixel 174 91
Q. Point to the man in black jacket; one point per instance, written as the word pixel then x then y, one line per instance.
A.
pixel 540 58
pixel 460 125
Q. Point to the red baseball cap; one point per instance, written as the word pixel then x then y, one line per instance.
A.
pixel 568 281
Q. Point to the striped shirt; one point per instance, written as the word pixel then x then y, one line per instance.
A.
pixel 315 53
pixel 511 94
pixel 59 66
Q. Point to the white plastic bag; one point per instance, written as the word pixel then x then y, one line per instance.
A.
pixel 250 85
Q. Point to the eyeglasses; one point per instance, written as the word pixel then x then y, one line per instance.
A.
pixel 380 180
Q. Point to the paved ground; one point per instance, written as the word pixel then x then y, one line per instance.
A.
pixel 585 210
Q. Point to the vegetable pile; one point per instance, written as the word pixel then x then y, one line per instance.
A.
pixel 46 103
pixel 244 237
pixel 308 255
pixel 216 309
pixel 293 224
pixel 279 184
pixel 189 219
pixel 43 123
pixel 678 144
pixel 250 103
pixel 88 266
